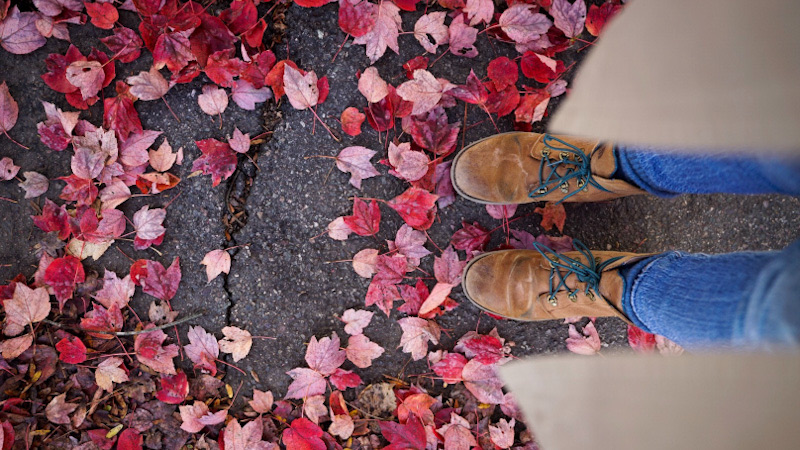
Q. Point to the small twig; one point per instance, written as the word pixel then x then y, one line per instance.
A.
pixel 160 327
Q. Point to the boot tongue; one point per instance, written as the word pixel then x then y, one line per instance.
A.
pixel 603 163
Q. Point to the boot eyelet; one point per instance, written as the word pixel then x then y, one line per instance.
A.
pixel 564 187
pixel 545 153
pixel 564 156
pixel 581 182
pixel 590 295
pixel 573 297
pixel 552 300
pixel 541 191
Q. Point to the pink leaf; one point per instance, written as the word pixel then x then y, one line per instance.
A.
pixel 361 351
pixel 424 91
pixel 306 383
pixel 202 349
pixel 356 321
pixel 416 335
pixel 372 86
pixel 246 95
pixel 569 18
pixel 481 380
pixel 196 416
pixel 240 142
pixel 301 90
pixel 216 262
pixel 151 352
pixel 18 32
pixel 429 26
pixel 522 25
pixel 356 161
pixel 213 100
pixel 587 343
pixel 324 355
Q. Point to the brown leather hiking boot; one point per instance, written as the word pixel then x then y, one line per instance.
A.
pixel 521 167
pixel 535 285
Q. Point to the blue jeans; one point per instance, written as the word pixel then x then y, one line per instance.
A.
pixel 742 299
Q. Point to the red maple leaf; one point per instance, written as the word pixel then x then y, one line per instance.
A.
pixel 416 206
pixel 274 78
pixel 103 15
pixel 417 62
pixel 597 17
pixel 383 294
pixel 100 321
pixel 222 68
pixel 540 67
pixel 79 190
pixel 218 160
pixel 552 214
pixel 256 72
pixel 470 237
pixel 63 274
pixel 502 102
pixel 303 434
pixel 357 18
pixel 54 218
pixel 432 132
pixel 119 114
pixel 641 341
pixel 450 367
pixel 155 280
pixel 343 379
pixel 503 72
pixel 240 16
pixel 71 349
pixel 486 349
pixel 125 44
pixel 410 435
pixel 366 218
pixel 174 388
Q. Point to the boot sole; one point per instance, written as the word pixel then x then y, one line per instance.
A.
pixel 455 162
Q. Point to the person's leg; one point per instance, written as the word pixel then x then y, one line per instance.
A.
pixel 667 174
pixel 743 299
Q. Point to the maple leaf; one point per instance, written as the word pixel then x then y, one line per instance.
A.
pixel 503 72
pixel 501 212
pixel 410 165
pixel 109 371
pixel 9 110
pixel 324 355
pixel 598 17
pixel 588 343
pixel 437 296
pixel 162 159
pixel 71 349
pixel 383 294
pixel 301 90
pixel 53 218
pixel 196 416
pixel 125 44
pixel 338 229
pixel 303 434
pixel 410 242
pixel 364 262
pixel 62 275
pixel 502 435
pixel 155 280
pixel 462 38
pixel 366 218
pixel 357 17
pixel 148 222
pixel 27 306
pixel 486 349
pixel 35 184
pixel 408 436
pixel 552 214
pixel 88 76
pixel 356 161
pixel 150 351
pixel 424 91
pixel 481 380
pixel 133 149
pixel 444 185
pixel 540 67
pixel 473 91
pixel 343 379
pixel 202 349
pixel 213 100
pixel 640 340
pixel 457 434
pixel 261 402
pixel 351 121
pixel 314 408
pixel 372 86
pixel 342 425
pixel 361 351
pixel 567 17
pixel 18 32
pixel 522 25
pixel 103 15
pixel 218 160
pixel 58 410
pixel 246 95
pixel 470 237
pixel 100 320
pixel 306 382
pixel 119 114
pixel 432 132
pixel 383 33
pixel 56 131
pixel 11 348
pixel 416 206
pixel 173 50
pixel 416 334
pixel 479 11
pixel 7 169
pixel 174 388
pixel 222 68
pixel 431 31
pixel 216 262
pixel 450 367
pixel 239 142
pixel 149 85
pixel 356 321
pixel 237 342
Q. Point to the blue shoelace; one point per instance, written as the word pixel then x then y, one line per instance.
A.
pixel 588 273
pixel 573 159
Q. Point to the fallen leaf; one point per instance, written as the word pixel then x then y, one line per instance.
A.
pixel 587 343
pixel 482 381
pixel 352 119
pixel 88 76
pixel 213 100
pixel 384 33
pixel 218 160
pixel 338 229
pixel 437 296
pixel 356 161
pixel 261 402
pixel 324 355
pixel 356 320
pixel 431 31
pixel 196 416
pixel 303 434
pixel 450 367
pixel 202 349
pixel 366 218
pixel 62 275
pixel 457 434
pixel 237 342
pixel 479 11
pixel 361 351
pixel 239 142
pixel 11 348
pixel 301 90
pixel 410 436
pixel 424 91
pixel 18 32
pixel 567 17
pixel 162 159
pixel 35 184
pixel 9 110
pixel 306 382
pixel 462 38
pixel 372 86
pixel 416 206
pixel 174 388
pixel 109 371
pixel 416 335
pixel 149 222
pixel 522 25
pixel 246 95
pixel 149 85
pixel 150 350
pixel 501 212
pixel 103 15
pixel 58 410
pixel 71 350
pixel 597 17
pixel 216 262
pixel 364 263
pixel 552 214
